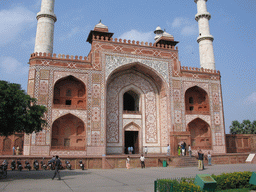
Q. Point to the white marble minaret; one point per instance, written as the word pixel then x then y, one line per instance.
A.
pixel 205 39
pixel 45 27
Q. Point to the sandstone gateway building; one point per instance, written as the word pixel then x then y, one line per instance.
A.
pixel 124 93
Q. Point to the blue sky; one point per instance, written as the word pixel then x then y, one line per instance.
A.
pixel 233 26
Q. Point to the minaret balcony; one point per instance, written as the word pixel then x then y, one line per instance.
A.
pixel 201 15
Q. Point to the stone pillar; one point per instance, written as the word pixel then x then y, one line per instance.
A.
pixel 45 27
pixel 205 39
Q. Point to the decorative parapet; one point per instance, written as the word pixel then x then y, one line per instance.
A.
pixel 61 57
pixel 200 70
pixel 133 42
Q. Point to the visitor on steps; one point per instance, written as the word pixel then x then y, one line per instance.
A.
pixel 183 149
pixel 189 151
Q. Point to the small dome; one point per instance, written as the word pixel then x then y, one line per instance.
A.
pixel 165 34
pixel 100 25
pixel 158 30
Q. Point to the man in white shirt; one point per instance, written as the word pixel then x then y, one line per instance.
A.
pixel 168 150
pixel 146 150
pixel 142 161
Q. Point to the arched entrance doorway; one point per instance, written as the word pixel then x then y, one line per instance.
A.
pixel 132 140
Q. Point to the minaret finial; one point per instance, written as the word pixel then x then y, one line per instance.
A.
pixel 45 27
pixel 205 39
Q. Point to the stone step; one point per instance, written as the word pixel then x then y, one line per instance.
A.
pixel 185 161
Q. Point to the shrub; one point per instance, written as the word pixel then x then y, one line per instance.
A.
pixel 182 184
pixel 236 180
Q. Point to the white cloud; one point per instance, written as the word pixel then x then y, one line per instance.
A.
pixel 189 30
pixel 187 26
pixel 12 66
pixel 14 22
pixel 138 36
pixel 180 21
pixel 251 99
pixel 69 35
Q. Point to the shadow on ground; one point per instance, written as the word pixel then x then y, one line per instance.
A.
pixel 21 175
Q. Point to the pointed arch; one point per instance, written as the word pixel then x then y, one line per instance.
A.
pixel 197 101
pixel 132 127
pixel 200 134
pixel 67 136
pixel 69 92
pixel 7 144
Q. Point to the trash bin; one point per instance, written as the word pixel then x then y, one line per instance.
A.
pixel 164 163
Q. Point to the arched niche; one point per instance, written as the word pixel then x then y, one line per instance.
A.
pixel 200 134
pixel 197 101
pixel 69 92
pixel 7 144
pixel 68 132
pixel 131 102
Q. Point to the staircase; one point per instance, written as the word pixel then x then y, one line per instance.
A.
pixel 185 161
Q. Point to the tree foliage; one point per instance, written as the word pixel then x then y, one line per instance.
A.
pixel 246 127
pixel 18 111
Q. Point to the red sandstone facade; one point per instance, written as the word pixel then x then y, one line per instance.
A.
pixel 125 93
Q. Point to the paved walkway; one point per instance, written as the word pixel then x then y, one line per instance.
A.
pixel 112 180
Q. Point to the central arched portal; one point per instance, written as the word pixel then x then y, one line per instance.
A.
pixel 134 96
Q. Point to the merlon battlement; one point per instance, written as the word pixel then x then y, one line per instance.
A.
pixel 202 70
pixel 133 42
pixel 60 57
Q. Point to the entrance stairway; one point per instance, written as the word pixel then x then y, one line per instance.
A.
pixel 185 161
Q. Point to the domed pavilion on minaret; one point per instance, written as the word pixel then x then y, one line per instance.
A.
pixel 124 94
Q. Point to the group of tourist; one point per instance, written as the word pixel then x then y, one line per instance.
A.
pixel 142 162
pixel 15 150
pixel 182 150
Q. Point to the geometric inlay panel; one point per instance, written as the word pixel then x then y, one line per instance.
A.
pixel 113 62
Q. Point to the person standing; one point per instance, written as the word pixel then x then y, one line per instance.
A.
pixel 168 150
pixel 189 151
pixel 185 145
pixel 183 149
pixel 200 160
pixel 17 150
pixel 209 157
pixel 128 162
pixel 57 167
pixel 146 150
pixel 142 161
pixel 13 150
pixel 131 149
pixel 178 150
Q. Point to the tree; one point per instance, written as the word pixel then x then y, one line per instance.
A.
pixel 246 127
pixel 18 111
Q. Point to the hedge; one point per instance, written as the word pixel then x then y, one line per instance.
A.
pixel 236 180
pixel 225 181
